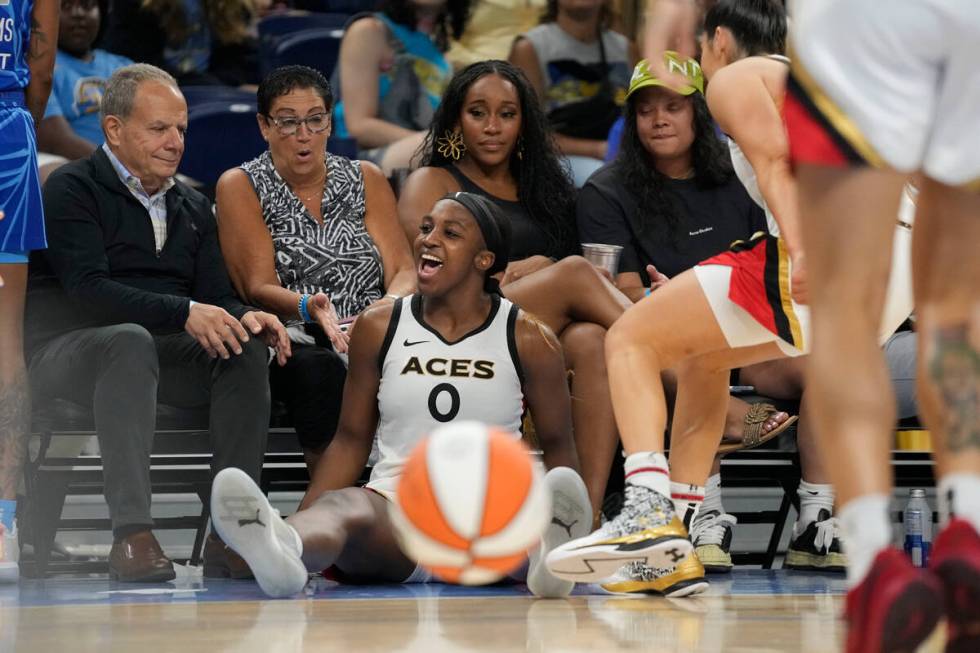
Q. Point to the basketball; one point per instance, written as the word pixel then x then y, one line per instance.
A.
pixel 470 503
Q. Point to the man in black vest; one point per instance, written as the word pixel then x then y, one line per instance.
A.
pixel 131 304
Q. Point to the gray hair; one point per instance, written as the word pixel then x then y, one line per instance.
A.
pixel 120 89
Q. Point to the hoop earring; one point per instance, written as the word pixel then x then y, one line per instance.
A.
pixel 520 149
pixel 451 145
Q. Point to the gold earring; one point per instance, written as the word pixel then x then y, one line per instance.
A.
pixel 451 145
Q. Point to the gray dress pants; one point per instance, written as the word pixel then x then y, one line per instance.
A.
pixel 122 371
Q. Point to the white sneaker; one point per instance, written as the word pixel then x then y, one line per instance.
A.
pixel 571 517
pixel 645 531
pixel 9 555
pixel 247 523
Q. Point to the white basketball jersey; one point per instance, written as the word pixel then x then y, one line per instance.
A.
pixel 427 381
pixel 746 174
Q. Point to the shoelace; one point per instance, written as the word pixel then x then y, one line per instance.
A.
pixel 828 530
pixel 639 505
pixel 710 528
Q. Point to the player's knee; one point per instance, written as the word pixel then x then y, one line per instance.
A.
pixel 351 505
pixel 624 339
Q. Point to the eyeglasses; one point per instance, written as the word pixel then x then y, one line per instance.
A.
pixel 315 124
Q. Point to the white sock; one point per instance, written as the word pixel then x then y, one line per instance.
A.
pixel 712 495
pixel 959 496
pixel 814 497
pixel 866 529
pixel 687 501
pixel 648 469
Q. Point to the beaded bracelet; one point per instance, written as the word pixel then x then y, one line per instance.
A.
pixel 304 313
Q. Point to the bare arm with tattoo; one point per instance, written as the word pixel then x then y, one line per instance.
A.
pixel 41 52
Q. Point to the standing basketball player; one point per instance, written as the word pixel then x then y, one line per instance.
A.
pixel 877 93
pixel 28 43
pixel 398 390
pixel 735 309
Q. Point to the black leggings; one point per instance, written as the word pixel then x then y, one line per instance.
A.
pixel 312 386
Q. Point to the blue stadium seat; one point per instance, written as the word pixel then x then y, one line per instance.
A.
pixel 615 138
pixel 278 27
pixel 199 95
pixel 316 48
pixel 342 147
pixel 220 136
pixel 340 6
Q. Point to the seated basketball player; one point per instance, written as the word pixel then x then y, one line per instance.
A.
pixel 396 390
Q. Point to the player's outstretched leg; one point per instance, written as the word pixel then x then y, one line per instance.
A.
pixel 571 518
pixel 249 525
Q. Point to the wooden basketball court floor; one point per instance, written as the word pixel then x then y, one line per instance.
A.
pixel 747 611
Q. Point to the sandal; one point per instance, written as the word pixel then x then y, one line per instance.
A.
pixel 752 435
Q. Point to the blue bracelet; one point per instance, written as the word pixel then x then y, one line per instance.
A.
pixel 304 313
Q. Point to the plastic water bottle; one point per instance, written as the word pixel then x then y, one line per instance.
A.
pixel 918 528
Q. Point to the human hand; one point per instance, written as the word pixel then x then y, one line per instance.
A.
pixel 273 333
pixel 798 280
pixel 670 25
pixel 323 313
pixel 517 270
pixel 216 330
pixel 657 278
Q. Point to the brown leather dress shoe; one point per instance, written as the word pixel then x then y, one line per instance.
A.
pixel 222 562
pixel 138 558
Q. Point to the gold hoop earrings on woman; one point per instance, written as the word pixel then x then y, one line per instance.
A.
pixel 451 145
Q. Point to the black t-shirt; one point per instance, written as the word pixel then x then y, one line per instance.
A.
pixel 528 237
pixel 709 221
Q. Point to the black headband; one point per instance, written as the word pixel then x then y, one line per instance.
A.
pixel 493 224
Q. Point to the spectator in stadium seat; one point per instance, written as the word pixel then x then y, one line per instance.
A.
pixel 130 305
pixel 310 236
pixel 196 41
pixel 391 75
pixel 671 200
pixel 580 70
pixel 71 128
pixel 492 28
pixel 490 137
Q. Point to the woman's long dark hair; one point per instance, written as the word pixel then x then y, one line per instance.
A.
pixel 543 184
pixel 451 22
pixel 712 165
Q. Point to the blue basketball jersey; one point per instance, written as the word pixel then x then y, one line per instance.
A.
pixel 15 31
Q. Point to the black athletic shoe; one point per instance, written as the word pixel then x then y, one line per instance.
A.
pixel 818 546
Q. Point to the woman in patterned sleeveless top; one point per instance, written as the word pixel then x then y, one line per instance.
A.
pixel 313 238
